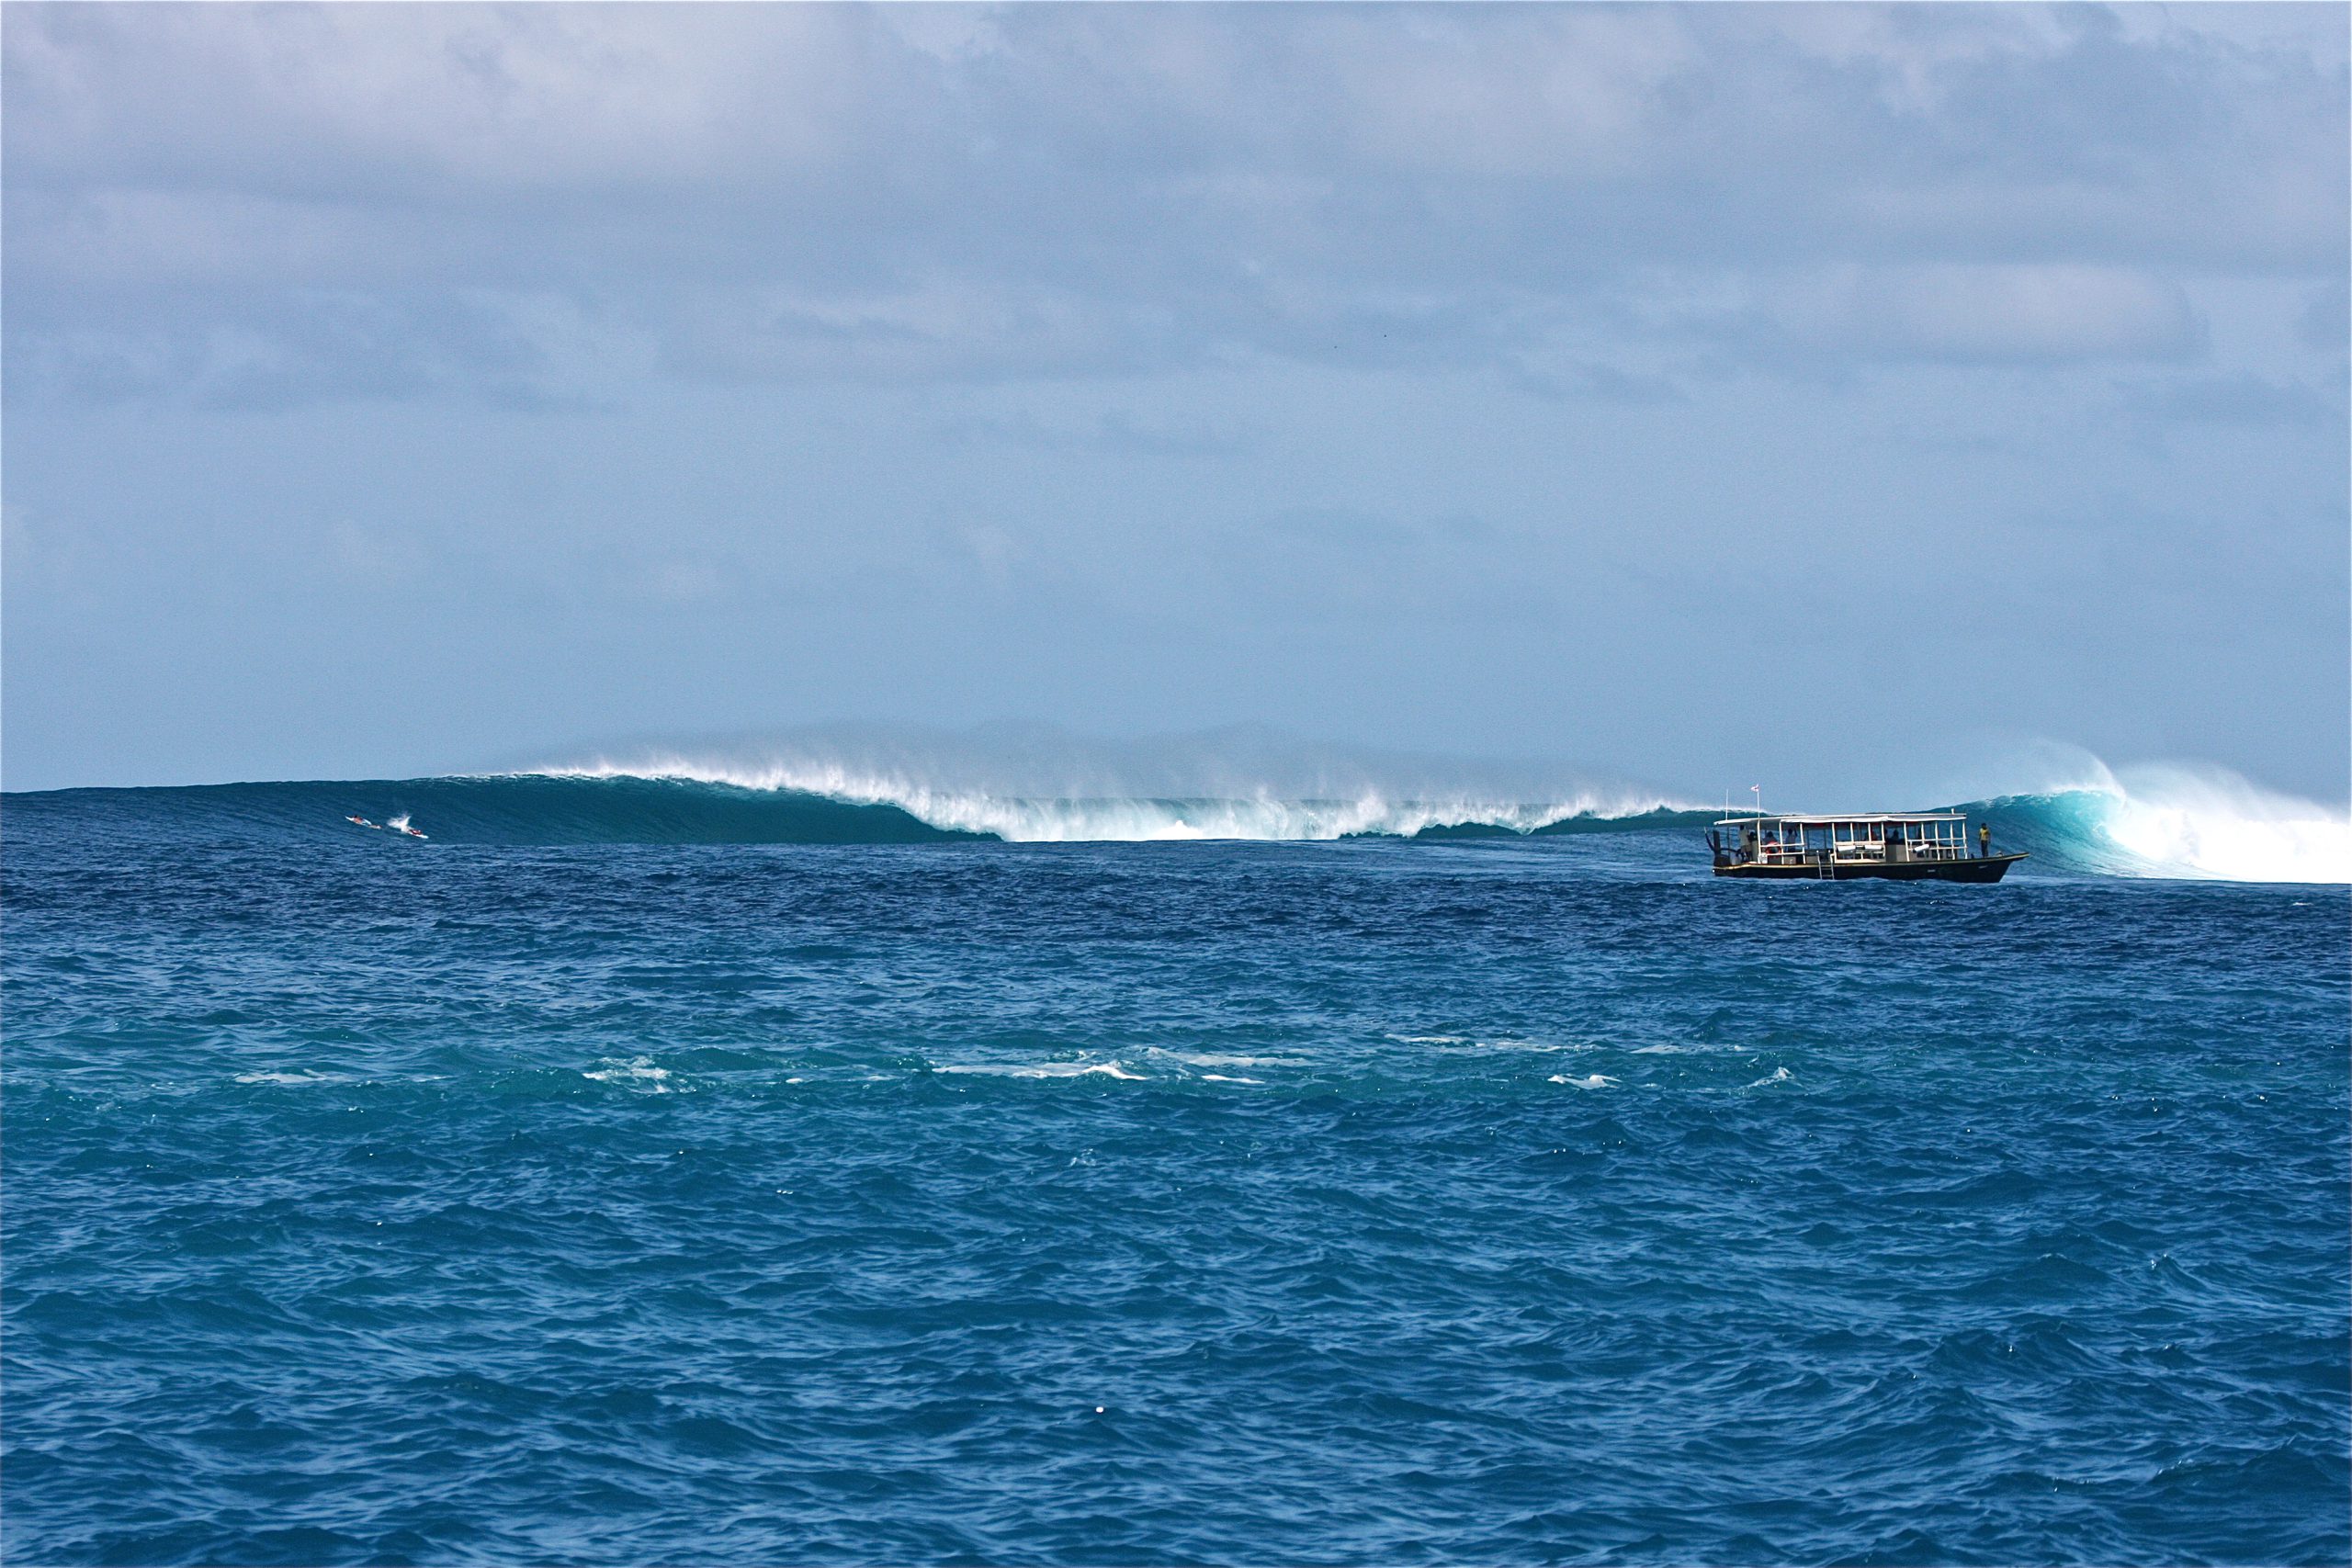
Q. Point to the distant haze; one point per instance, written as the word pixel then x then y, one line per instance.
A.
pixel 1845 399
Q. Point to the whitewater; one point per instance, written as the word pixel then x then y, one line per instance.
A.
pixel 1261 814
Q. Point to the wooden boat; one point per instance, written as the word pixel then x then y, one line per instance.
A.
pixel 1925 846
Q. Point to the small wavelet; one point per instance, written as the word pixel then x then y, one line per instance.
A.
pixel 1592 1080
pixel 1216 1059
pixel 1471 1045
pixel 637 1071
pixel 1475 1043
pixel 1044 1070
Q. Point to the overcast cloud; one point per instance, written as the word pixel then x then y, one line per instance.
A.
pixel 1518 379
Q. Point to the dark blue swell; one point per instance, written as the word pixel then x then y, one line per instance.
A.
pixel 1540 1201
pixel 511 809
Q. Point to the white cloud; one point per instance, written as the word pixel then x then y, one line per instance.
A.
pixel 343 101
pixel 806 193
pixel 1989 313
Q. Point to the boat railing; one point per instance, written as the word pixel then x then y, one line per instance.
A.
pixel 1792 854
pixel 1820 844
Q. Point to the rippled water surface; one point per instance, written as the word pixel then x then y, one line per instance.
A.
pixel 1361 1203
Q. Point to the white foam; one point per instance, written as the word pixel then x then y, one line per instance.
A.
pixel 1044 1070
pixel 1469 1043
pixel 1778 1074
pixel 1595 1080
pixel 636 1070
pixel 2209 822
pixel 1220 1077
pixel 297 1078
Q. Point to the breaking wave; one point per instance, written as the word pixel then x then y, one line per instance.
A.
pixel 613 807
pixel 2174 822
pixel 1256 813
pixel 2180 822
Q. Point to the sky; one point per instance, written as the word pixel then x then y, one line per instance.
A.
pixel 1843 397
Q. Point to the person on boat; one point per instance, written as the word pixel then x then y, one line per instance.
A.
pixel 1984 839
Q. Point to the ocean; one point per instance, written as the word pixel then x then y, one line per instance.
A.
pixel 647 1171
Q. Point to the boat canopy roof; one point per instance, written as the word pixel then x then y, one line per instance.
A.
pixel 1810 820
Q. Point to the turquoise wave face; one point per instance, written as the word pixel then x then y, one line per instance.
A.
pixel 2069 830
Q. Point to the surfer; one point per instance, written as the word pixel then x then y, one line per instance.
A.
pixel 361 820
pixel 400 825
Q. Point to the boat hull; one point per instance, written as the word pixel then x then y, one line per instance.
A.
pixel 1974 868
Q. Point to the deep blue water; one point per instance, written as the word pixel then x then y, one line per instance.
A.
pixel 1531 1200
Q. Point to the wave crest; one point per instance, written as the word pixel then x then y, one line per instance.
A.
pixel 1260 815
